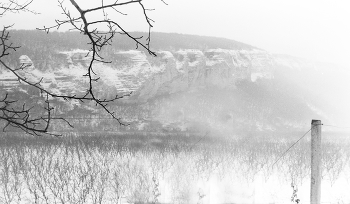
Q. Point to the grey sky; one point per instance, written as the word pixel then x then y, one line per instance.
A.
pixel 313 29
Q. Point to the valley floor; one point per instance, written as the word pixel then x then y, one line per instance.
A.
pixel 167 169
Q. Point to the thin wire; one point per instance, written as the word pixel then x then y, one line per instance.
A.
pixel 336 126
pixel 194 144
pixel 290 148
pixel 91 118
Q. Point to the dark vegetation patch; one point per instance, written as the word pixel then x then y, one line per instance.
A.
pixel 35 43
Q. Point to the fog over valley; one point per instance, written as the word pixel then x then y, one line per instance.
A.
pixel 229 85
pixel 181 102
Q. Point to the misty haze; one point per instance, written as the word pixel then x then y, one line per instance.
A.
pixel 114 102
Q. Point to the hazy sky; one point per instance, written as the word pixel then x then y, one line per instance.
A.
pixel 314 29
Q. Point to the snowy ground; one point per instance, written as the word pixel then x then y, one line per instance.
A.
pixel 134 170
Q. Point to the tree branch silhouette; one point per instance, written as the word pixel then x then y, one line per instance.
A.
pixel 21 117
pixel 14 6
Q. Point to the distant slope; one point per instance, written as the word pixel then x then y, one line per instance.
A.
pixel 36 42
pixel 326 86
pixel 185 41
pixel 196 83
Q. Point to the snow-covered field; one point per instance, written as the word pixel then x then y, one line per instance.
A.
pixel 135 169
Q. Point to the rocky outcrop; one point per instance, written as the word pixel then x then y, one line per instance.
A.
pixel 146 76
pixel 192 69
pixel 181 89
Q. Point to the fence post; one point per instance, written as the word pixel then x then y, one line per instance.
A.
pixel 315 191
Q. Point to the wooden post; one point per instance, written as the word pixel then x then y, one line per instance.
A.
pixel 315 191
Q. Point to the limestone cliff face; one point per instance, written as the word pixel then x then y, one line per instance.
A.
pixel 192 69
pixel 196 83
pixel 146 76
pixel 179 90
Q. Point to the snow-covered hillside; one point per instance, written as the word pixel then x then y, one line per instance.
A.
pixel 134 71
pixel 224 86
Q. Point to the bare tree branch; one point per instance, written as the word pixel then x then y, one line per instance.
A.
pixel 14 7
pixel 98 40
pixel 21 117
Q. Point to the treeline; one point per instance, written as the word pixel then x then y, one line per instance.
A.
pixel 43 48
pixel 68 40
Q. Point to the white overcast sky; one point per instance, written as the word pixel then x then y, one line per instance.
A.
pixel 313 29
